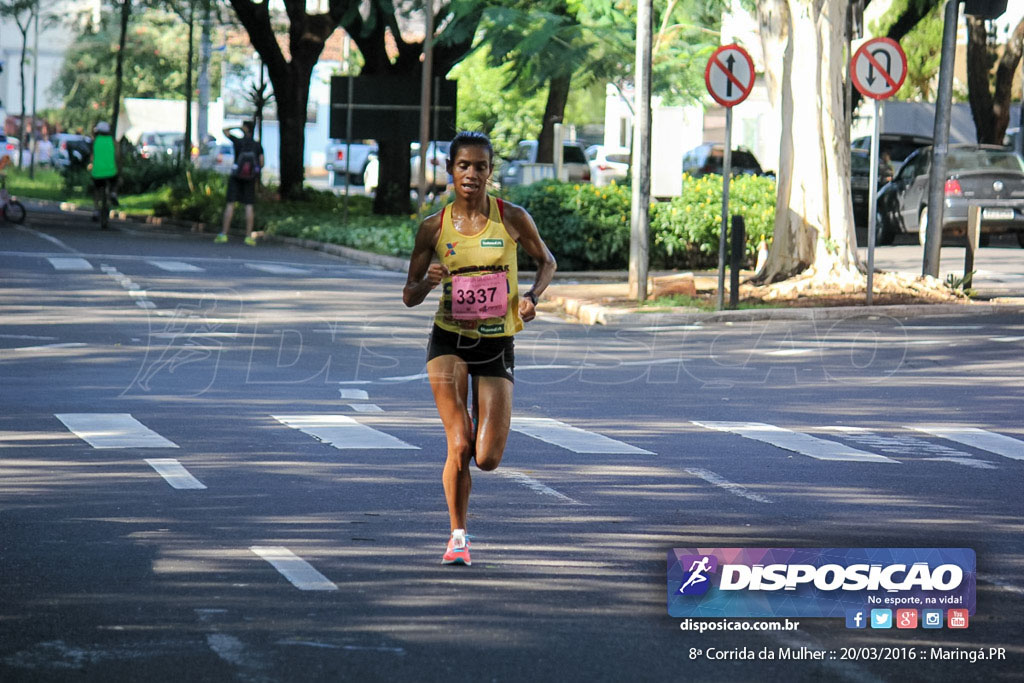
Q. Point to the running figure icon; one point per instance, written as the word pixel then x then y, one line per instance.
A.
pixel 697 576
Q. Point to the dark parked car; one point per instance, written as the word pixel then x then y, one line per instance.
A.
pixel 70 149
pixel 860 180
pixel 893 147
pixel 709 158
pixel 981 175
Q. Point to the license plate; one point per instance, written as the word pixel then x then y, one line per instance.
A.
pixel 997 214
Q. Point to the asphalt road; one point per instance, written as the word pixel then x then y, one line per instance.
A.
pixel 217 535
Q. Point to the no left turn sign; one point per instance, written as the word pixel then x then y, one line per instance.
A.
pixel 879 68
pixel 729 75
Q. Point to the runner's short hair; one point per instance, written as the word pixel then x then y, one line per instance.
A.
pixel 467 138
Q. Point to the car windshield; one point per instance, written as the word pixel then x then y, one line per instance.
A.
pixel 898 151
pixel 618 158
pixel 984 159
pixel 573 155
pixel 860 164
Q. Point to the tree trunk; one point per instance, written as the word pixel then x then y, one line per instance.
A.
pixel 203 79
pixel 393 189
pixel 292 94
pixel 991 111
pixel 813 210
pixel 554 112
pixel 24 113
pixel 126 8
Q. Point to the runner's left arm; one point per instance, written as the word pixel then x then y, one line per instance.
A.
pixel 524 230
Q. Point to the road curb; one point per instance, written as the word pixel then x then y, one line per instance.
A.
pixel 596 314
pixel 387 262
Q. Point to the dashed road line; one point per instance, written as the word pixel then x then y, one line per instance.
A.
pixel 571 438
pixel 354 394
pixel 365 407
pixel 536 486
pixel 275 269
pixel 175 474
pixel 726 485
pixel 300 573
pixel 113 430
pixel 798 442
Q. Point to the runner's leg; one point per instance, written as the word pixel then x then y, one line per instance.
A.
pixel 492 404
pixel 449 380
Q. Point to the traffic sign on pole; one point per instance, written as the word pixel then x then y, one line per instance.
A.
pixel 879 68
pixel 729 75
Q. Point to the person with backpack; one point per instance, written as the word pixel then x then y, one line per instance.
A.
pixel 242 181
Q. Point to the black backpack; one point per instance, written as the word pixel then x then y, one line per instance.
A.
pixel 247 164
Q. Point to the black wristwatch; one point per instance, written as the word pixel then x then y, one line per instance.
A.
pixel 531 296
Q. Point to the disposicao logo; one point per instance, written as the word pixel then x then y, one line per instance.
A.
pixel 817 582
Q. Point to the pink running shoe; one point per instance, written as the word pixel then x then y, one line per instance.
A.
pixel 458 549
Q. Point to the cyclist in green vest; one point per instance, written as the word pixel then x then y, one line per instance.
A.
pixel 104 166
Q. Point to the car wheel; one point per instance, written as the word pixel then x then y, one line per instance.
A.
pixel 1020 239
pixel 922 226
pixel 884 234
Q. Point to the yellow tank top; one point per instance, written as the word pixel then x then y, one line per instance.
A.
pixel 491 250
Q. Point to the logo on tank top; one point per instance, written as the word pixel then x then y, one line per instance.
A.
pixel 493 242
pixel 451 248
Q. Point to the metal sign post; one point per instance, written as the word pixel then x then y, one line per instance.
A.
pixel 729 77
pixel 878 69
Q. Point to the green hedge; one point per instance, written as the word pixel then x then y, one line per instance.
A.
pixel 587 227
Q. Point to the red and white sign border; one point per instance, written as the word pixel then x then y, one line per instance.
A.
pixel 893 85
pixel 744 89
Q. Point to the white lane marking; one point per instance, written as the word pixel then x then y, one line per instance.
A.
pixel 113 430
pixel 536 486
pixel 910 446
pixel 276 269
pixel 726 485
pixel 69 263
pixel 342 432
pixel 48 238
pixel 176 266
pixel 366 407
pixel 175 473
pixel 145 303
pixel 788 352
pixel 27 336
pixel 978 438
pixel 804 444
pixel 354 394
pixel 300 573
pixel 1007 340
pixel 405 378
pixel 228 648
pixel 44 347
pixel 571 438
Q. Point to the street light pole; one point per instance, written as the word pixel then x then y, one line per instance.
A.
pixel 640 218
pixel 940 146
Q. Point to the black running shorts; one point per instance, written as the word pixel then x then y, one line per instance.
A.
pixel 241 191
pixel 485 356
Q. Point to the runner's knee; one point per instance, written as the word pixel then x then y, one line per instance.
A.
pixel 488 461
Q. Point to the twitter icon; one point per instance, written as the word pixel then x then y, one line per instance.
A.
pixel 881 618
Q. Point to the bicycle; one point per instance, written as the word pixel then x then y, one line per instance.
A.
pixel 13 210
pixel 105 202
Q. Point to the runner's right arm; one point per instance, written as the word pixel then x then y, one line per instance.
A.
pixel 424 275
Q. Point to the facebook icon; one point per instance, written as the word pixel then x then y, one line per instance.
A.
pixel 855 618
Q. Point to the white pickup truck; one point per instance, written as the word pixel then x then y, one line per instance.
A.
pixel 350 158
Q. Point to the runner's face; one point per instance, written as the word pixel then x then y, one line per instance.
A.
pixel 470 170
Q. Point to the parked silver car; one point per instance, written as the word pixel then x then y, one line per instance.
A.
pixel 574 160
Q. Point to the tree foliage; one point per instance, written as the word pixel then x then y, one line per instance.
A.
pixel 155 57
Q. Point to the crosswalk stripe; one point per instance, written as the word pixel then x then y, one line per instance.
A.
pixel 276 269
pixel 571 438
pixel 909 446
pixel 978 438
pixel 343 432
pixel 174 473
pixel 356 394
pixel 69 263
pixel 176 266
pixel 366 407
pixel 300 573
pixel 804 444
pixel 113 430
